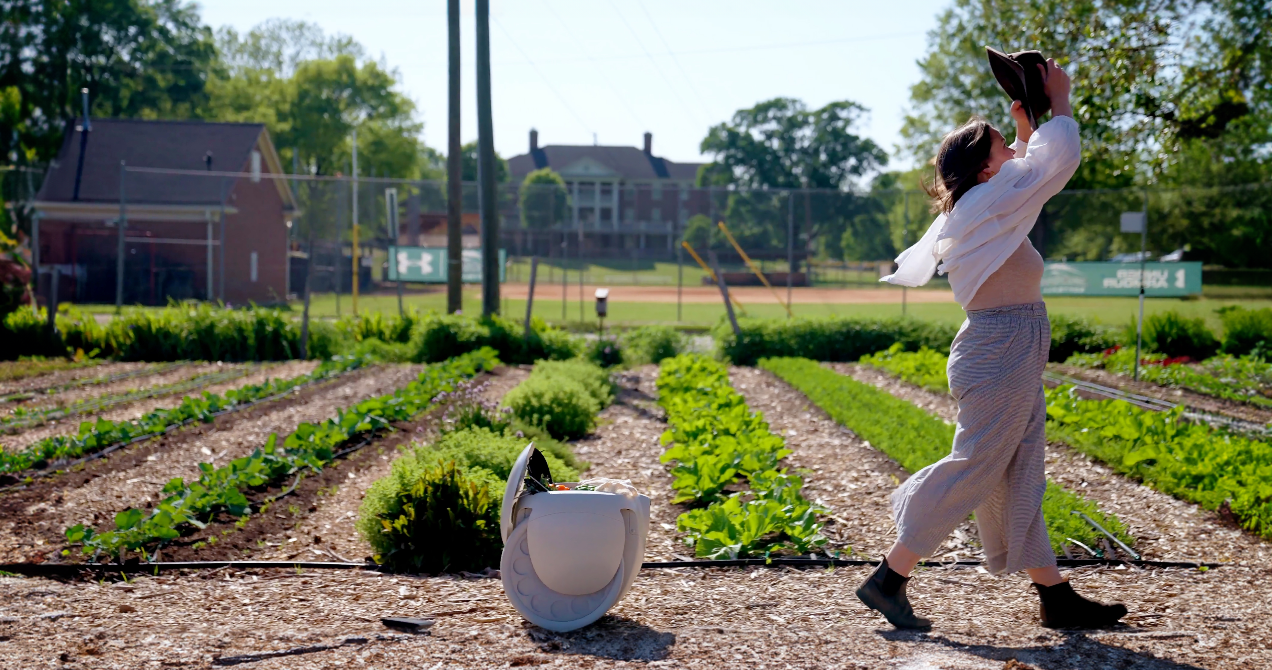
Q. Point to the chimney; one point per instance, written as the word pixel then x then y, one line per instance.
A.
pixel 534 140
pixel 649 143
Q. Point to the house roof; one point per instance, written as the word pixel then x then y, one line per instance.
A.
pixel 599 162
pixel 176 145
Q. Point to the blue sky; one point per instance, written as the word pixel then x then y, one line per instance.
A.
pixel 614 69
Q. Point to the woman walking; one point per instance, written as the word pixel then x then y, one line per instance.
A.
pixel 989 195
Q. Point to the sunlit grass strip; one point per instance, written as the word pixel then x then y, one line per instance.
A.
pixel 914 438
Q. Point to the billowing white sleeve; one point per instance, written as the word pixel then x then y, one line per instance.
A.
pixel 1051 157
pixel 916 265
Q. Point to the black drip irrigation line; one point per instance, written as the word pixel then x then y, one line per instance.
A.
pixel 32 394
pixel 170 429
pixel 74 569
pixel 101 404
pixel 1159 405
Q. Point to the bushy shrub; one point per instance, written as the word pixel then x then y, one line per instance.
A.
pixel 1075 335
pixel 438 509
pixel 441 336
pixel 489 450
pixel 386 352
pixel 434 518
pixel 1175 335
pixel 832 338
pixel 467 407
pixel 605 352
pixel 1246 331
pixel 561 406
pixel 379 326
pixel 594 379
pixel 651 344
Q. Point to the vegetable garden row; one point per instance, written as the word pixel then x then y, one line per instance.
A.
pixel 1195 462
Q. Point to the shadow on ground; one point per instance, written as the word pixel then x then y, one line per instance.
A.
pixel 1075 651
pixel 612 637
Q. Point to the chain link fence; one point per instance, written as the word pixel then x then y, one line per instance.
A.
pixel 244 238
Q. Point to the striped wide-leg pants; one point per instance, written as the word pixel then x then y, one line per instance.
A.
pixel 996 466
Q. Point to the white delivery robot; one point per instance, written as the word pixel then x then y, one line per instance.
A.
pixel 569 555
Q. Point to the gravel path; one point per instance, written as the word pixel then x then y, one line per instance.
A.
pixel 134 410
pixel 1165 528
pixel 708 619
pixel 98 500
pixel 336 513
pixel 67 376
pixel 626 446
pixel 844 472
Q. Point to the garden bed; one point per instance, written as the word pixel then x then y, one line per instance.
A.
pixel 1166 528
pixel 62 373
pixel 96 494
pixel 332 511
pixel 1193 399
pixel 692 618
pixel 132 410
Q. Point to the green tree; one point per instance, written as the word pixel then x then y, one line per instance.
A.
pixel 781 144
pixel 1176 93
pixel 137 58
pixel 468 165
pixel 1146 78
pixel 543 200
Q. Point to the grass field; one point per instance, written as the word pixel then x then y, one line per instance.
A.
pixel 548 306
pixel 701 311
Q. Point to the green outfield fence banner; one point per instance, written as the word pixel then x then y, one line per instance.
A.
pixel 1160 279
pixel 428 265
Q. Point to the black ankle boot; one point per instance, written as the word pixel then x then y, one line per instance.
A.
pixel 1062 607
pixel 895 607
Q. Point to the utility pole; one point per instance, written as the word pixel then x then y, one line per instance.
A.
pixel 905 234
pixel 1139 326
pixel 454 185
pixel 354 249
pixel 790 248
pixel 486 168
pixel 123 224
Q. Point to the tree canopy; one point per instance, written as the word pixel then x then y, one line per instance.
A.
pixel 137 58
pixel 782 144
pixel 543 199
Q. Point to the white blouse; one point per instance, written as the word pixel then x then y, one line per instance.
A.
pixel 990 221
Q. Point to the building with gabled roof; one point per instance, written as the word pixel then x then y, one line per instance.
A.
pixel 624 200
pixel 187 235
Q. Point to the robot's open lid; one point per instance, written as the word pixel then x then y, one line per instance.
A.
pixel 529 475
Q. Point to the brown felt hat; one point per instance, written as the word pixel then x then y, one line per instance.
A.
pixel 1019 76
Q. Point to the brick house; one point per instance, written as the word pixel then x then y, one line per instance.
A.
pixel 175 222
pixel 626 200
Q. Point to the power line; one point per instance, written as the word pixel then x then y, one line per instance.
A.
pixel 546 82
pixel 675 60
pixel 608 80
pixel 654 62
